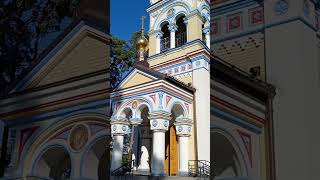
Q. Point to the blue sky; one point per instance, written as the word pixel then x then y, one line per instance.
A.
pixel 126 17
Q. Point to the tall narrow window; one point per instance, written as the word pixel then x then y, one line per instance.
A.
pixel 181 34
pixel 203 34
pixel 165 40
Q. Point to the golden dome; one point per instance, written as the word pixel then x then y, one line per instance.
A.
pixel 142 43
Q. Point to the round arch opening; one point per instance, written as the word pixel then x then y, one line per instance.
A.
pixel 226 160
pixel 165 39
pixel 97 160
pixel 54 163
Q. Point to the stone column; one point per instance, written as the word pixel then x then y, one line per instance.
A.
pixel 206 31
pixel 183 129
pixel 119 127
pixel 172 28
pixel 159 123
pixel 159 35
pixel 187 30
pixel 135 122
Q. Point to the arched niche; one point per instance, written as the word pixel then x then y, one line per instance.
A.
pixel 226 156
pixel 54 163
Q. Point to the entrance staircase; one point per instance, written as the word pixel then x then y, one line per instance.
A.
pixel 198 169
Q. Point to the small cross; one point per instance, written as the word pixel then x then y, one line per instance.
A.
pixel 142 24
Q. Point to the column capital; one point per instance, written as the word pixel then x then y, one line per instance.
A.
pixel 119 126
pixel 172 27
pixel 206 30
pixel 159 120
pixel 185 20
pixel 159 34
pixel 183 127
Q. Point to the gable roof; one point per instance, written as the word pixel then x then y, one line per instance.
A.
pixel 71 32
pixel 156 76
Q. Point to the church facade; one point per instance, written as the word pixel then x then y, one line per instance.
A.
pixel 56 118
pixel 164 100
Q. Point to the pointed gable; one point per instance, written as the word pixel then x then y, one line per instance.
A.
pixel 82 51
pixel 87 56
pixel 135 78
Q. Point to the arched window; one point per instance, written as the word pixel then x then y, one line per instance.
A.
pixel 181 33
pixel 165 40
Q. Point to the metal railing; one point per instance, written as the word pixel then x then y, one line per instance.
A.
pixel 200 168
pixel 164 44
pixel 181 39
pixel 125 169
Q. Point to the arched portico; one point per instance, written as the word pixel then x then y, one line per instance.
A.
pixel 149 125
pixel 57 153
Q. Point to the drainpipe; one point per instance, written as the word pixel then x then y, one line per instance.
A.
pixel 271 170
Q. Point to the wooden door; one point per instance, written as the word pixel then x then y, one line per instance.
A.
pixel 166 164
pixel 173 152
pixel 171 159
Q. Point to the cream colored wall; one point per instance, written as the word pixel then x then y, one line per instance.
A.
pixel 88 56
pixel 194 29
pixel 185 78
pixel 168 56
pixel 137 79
pixel 152 44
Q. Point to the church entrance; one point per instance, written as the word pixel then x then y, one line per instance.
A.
pixel 171 159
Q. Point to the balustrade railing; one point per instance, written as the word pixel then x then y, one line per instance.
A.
pixel 200 168
pixel 181 39
pixel 124 169
pixel 165 44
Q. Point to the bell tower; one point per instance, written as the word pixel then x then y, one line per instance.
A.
pixel 173 26
pixel 179 43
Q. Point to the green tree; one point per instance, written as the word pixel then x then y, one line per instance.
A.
pixel 123 55
pixel 23 23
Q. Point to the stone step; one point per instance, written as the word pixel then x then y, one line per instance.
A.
pixel 136 177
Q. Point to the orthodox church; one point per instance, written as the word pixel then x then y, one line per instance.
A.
pixel 164 101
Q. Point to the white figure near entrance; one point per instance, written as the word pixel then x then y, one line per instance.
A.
pixel 144 160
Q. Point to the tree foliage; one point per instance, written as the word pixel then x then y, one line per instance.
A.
pixel 22 24
pixel 123 55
